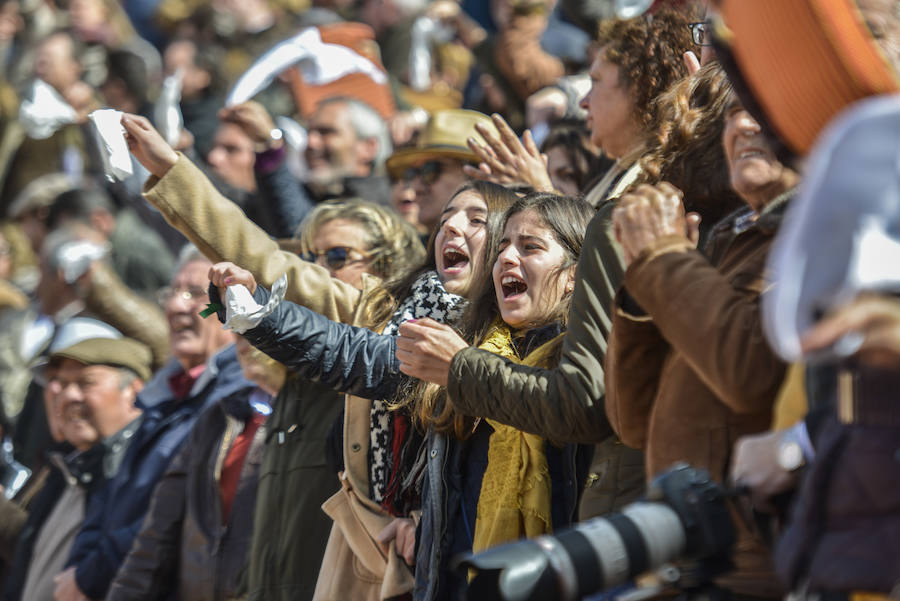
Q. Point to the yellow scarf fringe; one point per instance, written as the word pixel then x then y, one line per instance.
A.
pixel 515 491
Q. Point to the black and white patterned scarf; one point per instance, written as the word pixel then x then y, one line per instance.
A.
pixel 428 298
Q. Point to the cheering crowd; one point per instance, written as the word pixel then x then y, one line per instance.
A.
pixel 382 283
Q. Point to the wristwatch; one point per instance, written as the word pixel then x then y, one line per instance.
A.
pixel 274 141
pixel 790 453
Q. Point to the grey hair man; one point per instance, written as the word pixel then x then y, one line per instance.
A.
pixel 347 139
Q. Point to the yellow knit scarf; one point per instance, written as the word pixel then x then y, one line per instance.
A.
pixel 515 491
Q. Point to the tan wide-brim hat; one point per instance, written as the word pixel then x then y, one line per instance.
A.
pixel 114 352
pixel 444 138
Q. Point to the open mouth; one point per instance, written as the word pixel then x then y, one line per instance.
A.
pixel 751 153
pixel 454 259
pixel 512 286
pixel 181 326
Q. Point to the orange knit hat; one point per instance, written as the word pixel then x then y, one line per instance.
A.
pixel 804 61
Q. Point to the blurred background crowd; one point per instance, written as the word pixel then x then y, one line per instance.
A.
pixel 526 247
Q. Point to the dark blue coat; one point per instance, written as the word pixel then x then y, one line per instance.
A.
pixel 114 515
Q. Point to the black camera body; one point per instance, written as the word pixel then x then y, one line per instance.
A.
pixel 684 516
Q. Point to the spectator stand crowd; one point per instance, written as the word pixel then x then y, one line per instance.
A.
pixel 485 270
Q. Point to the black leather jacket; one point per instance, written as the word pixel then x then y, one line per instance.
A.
pixel 345 358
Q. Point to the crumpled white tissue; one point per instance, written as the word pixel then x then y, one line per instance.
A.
pixel 116 158
pixel 243 313
pixel 320 64
pixel 44 112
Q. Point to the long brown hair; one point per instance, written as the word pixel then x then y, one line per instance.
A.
pixel 567 217
pixel 385 299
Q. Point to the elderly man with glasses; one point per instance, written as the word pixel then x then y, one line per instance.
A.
pixel 90 391
pixel 204 370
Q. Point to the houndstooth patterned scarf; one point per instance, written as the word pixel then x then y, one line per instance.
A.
pixel 428 298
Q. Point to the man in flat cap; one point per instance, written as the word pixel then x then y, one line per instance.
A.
pixel 204 369
pixel 90 388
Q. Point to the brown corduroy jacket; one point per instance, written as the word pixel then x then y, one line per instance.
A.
pixel 694 374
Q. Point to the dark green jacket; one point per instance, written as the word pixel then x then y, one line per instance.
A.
pixel 564 404
pixel 290 529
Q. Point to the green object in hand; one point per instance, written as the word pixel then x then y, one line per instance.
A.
pixel 211 309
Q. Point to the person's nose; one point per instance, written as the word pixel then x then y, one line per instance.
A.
pixel 314 140
pixel 508 257
pixel 454 226
pixel 746 125
pixel 216 156
pixel 68 393
pixel 583 103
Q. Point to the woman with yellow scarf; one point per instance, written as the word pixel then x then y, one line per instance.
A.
pixel 481 483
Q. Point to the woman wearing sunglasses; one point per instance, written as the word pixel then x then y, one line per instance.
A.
pixel 483 483
pixel 353 237
pixel 375 437
pixel 220 230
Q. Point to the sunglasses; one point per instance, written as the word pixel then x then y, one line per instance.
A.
pixel 429 171
pixel 336 257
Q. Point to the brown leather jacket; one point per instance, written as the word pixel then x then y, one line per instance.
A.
pixel 688 378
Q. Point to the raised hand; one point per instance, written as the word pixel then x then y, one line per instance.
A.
pixel 147 145
pixel 648 213
pixel 507 159
pixel 876 317
pixel 254 119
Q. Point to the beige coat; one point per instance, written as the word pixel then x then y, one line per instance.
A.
pixel 221 231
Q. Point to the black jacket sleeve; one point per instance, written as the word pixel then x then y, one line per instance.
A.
pixel 346 358
pixel 286 199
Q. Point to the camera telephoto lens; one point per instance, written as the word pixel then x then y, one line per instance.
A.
pixel 684 515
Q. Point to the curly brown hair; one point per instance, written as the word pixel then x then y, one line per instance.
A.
pixel 649 53
pixel 686 146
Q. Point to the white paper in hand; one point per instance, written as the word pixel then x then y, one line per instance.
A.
pixel 44 112
pixel 319 63
pixel 113 147
pixel 243 313
pixel 167 112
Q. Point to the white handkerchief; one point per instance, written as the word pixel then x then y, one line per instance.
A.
pixel 44 112
pixel 320 64
pixel 77 256
pixel 243 313
pixel 167 113
pixel 116 158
